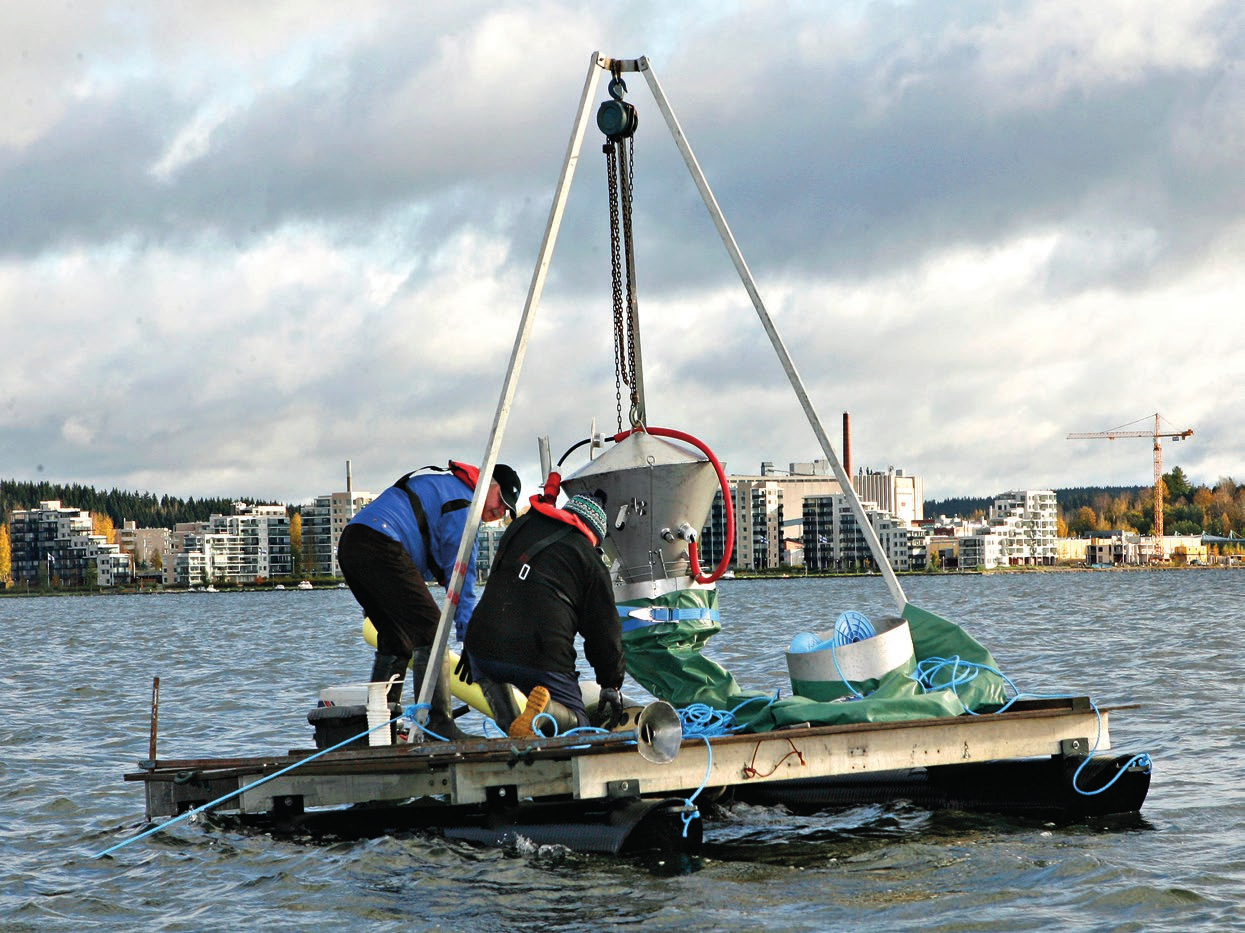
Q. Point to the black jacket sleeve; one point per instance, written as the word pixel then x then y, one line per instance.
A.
pixel 600 625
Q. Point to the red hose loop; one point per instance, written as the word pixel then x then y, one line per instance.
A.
pixel 693 553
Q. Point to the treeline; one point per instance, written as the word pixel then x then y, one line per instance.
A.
pixel 1187 509
pixel 145 509
pixel 1068 500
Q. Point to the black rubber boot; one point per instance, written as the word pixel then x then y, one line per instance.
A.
pixel 505 701
pixel 440 715
pixel 390 665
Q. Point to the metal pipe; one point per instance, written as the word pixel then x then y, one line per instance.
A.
pixel 454 587
pixel 724 230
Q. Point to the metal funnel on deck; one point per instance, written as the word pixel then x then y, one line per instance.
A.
pixel 659 494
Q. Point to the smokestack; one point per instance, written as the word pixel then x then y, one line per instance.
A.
pixel 349 491
pixel 847 445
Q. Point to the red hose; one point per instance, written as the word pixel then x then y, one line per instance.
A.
pixel 692 550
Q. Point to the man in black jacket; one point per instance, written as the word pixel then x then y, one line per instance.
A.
pixel 547 583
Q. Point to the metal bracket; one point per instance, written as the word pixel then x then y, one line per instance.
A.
pixel 621 790
pixel 1074 747
pixel 502 796
pixel 287 805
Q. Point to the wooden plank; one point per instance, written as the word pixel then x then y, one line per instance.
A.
pixel 817 753
pixel 536 768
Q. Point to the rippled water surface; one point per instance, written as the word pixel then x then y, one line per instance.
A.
pixel 240 671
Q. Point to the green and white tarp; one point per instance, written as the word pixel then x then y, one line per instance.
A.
pixel 664 638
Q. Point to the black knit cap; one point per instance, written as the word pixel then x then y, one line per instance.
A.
pixel 508 480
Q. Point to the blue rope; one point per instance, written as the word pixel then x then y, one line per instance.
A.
pixel 1142 761
pixel 963 672
pixel 241 790
pixel 692 811
pixel 700 720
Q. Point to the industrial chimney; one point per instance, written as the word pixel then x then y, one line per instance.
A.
pixel 349 493
pixel 847 445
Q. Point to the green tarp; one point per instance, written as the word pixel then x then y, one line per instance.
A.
pixel 666 658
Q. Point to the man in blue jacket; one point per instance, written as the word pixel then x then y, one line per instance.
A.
pixel 408 534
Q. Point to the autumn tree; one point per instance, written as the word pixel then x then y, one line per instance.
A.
pixel 1086 520
pixel 296 543
pixel 6 557
pixel 1177 485
pixel 101 524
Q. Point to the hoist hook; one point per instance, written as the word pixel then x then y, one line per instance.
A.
pixel 617 88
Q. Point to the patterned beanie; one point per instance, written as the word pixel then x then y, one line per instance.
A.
pixel 588 510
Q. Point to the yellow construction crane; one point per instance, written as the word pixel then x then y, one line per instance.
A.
pixel 1157 436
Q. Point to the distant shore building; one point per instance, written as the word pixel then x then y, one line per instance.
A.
pixel 323 523
pixel 833 539
pixel 1020 530
pixel 250 545
pixel 54 544
pixel 769 515
pixel 772 517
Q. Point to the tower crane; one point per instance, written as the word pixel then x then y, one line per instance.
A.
pixel 1157 436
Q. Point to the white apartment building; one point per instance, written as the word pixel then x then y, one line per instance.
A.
pixel 1020 530
pixel 251 544
pixel 769 509
pixel 833 539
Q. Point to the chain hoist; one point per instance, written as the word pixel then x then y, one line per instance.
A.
pixel 618 119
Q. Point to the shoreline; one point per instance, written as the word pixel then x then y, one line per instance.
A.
pixel 742 576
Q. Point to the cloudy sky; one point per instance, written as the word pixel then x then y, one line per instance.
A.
pixel 243 243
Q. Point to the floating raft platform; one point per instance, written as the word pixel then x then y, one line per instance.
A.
pixel 597 793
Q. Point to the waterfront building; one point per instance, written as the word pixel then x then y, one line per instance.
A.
pixel 833 539
pixel 768 514
pixel 323 522
pixel 148 547
pixel 487 540
pixel 772 514
pixel 55 544
pixel 892 491
pixel 1019 531
pixel 250 545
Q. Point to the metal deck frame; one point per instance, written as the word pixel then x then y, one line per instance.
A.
pixel 488 772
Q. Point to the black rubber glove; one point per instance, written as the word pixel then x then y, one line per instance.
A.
pixel 611 698
pixel 463 669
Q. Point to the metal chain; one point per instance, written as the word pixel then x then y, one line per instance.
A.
pixel 634 413
pixel 621 358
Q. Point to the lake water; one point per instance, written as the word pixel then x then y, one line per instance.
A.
pixel 239 671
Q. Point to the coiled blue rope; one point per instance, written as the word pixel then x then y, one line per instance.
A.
pixel 951 673
pixel 701 721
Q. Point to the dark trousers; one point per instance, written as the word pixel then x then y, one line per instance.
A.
pixel 390 588
pixel 564 688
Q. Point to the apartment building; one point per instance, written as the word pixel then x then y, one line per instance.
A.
pixel 251 544
pixel 834 540
pixel 768 512
pixel 772 516
pixel 323 522
pixel 1020 530
pixel 54 544
pixel 892 491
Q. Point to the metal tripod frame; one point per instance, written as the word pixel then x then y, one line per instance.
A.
pixel 597 66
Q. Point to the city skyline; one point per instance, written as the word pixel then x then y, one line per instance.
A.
pixel 243 245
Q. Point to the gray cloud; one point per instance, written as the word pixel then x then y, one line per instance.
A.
pixel 243 248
